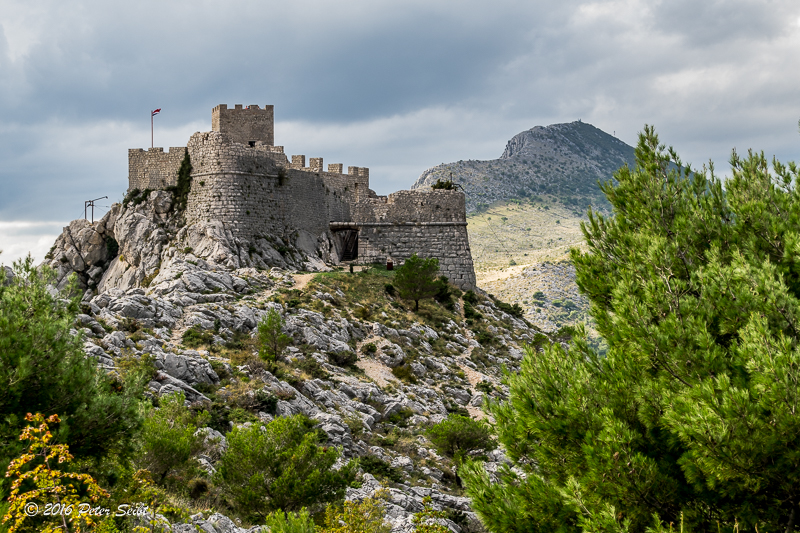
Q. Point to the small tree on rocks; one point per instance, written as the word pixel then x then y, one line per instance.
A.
pixel 271 337
pixel 416 279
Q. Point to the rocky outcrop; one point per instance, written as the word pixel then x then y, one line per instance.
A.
pixel 135 242
pixel 228 303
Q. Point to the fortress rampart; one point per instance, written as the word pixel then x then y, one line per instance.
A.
pixel 154 168
pixel 241 179
pixel 254 194
pixel 428 223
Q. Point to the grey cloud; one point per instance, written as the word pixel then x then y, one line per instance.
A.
pixel 409 85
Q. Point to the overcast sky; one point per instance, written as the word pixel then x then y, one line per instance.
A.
pixel 394 86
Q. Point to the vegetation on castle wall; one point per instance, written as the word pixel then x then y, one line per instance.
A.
pixel 136 197
pixel 445 185
pixel 180 192
pixel 112 246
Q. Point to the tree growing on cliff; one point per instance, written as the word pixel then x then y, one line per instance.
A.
pixel 416 279
pixel 691 417
pixel 43 369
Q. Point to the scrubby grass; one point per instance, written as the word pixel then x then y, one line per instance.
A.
pixel 368 288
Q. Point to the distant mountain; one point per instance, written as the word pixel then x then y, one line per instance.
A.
pixel 562 160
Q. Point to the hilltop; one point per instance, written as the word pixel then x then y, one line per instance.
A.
pixel 564 161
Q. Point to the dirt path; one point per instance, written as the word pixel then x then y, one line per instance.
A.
pixel 301 280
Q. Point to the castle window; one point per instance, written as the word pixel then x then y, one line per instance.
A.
pixel 251 143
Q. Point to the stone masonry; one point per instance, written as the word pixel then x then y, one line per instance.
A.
pixel 241 179
pixel 154 169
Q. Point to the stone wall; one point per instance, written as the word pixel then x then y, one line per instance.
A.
pixel 245 125
pixel 413 206
pixel 253 193
pixel 428 223
pixel 154 169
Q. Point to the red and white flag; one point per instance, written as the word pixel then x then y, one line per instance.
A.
pixel 156 112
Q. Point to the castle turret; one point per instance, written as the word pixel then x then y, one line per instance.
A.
pixel 245 125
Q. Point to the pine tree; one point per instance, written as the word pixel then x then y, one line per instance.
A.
pixel 416 279
pixel 43 369
pixel 691 417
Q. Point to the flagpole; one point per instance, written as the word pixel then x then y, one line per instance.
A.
pixel 151 128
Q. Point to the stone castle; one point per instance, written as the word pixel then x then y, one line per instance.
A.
pixel 240 178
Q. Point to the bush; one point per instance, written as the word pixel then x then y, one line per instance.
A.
pixel 485 338
pixel 456 436
pixel 445 293
pixel 310 366
pixel 48 485
pixel 43 369
pixel 267 402
pixel 446 185
pixel 400 417
pixel 280 522
pixel 281 466
pixel 363 312
pixel 343 358
pixel 470 312
pixel 366 516
pixel 514 310
pixel 485 387
pixel 471 298
pixel 194 337
pixel 369 348
pixel 390 290
pixel 379 468
pixel 404 373
pixel 168 440
pixel 197 487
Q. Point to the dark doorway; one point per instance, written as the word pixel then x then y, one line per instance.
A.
pixel 348 244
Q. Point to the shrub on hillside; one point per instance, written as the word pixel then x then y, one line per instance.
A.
pixel 168 440
pixel 456 436
pixel 271 338
pixel 195 336
pixel 281 466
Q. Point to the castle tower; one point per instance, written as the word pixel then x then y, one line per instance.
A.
pixel 248 125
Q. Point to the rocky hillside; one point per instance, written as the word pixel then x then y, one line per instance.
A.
pixel 373 374
pixel 564 161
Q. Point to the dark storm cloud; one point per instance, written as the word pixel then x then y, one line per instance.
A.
pixel 397 87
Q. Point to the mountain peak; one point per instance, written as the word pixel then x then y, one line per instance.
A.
pixel 564 160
